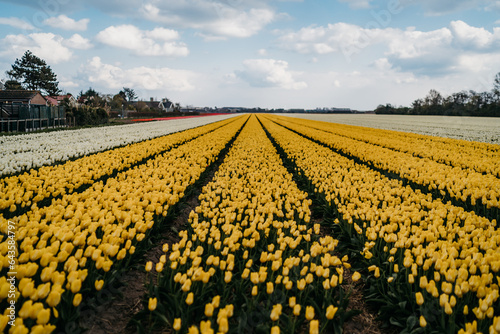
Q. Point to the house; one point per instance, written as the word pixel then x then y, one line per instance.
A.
pixel 10 101
pixel 30 97
pixel 151 104
pixel 57 100
pixel 166 105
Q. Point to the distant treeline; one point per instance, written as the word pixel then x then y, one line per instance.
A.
pixel 88 115
pixel 464 103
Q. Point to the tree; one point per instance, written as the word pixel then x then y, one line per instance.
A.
pixel 177 107
pixel 129 93
pixel 496 85
pixel 34 74
pixel 89 93
pixel 13 85
pixel 433 103
pixel 117 101
pixel 92 98
pixel 142 106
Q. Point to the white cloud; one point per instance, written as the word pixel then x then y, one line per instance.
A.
pixel 339 37
pixel 47 46
pixel 147 78
pixel 234 23
pixel 413 43
pixel 479 64
pixel 382 64
pixel 16 23
pixel 162 34
pixel 269 73
pixel 439 51
pixel 66 23
pixel 473 38
pixel 157 42
pixel 424 52
pixel 213 19
pixel 78 42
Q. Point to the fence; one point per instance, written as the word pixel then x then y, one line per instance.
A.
pixel 25 118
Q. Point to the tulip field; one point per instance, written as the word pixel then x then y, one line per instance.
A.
pixel 290 214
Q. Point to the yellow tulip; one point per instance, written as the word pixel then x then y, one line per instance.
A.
pixel 177 324
pixel 314 327
pixel 223 325
pixel 76 285
pixel 43 290
pixel 331 311
pixel 269 288
pixel 149 266
pixel 193 330
pixel 43 316
pixel 152 304
pixel 254 277
pixel 24 312
pixel 54 298
pixel 276 312
pixel 189 298
pixel 216 301
pixel 420 298
pixel 99 284
pixel 309 313
pixel 209 310
pixel 206 327
pixel 422 321
pixel 186 286
pixel 77 299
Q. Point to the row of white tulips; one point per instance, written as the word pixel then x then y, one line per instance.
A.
pixel 25 151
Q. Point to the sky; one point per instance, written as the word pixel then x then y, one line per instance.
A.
pixel 260 53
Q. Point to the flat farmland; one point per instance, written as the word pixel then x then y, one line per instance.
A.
pixel 255 224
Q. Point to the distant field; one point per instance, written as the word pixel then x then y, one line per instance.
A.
pixel 483 129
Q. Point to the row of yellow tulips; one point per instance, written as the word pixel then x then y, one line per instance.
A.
pixel 444 261
pixel 66 249
pixel 481 157
pixel 31 187
pixel 460 184
pixel 250 260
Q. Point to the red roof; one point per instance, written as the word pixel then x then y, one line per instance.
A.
pixel 55 100
pixel 51 100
